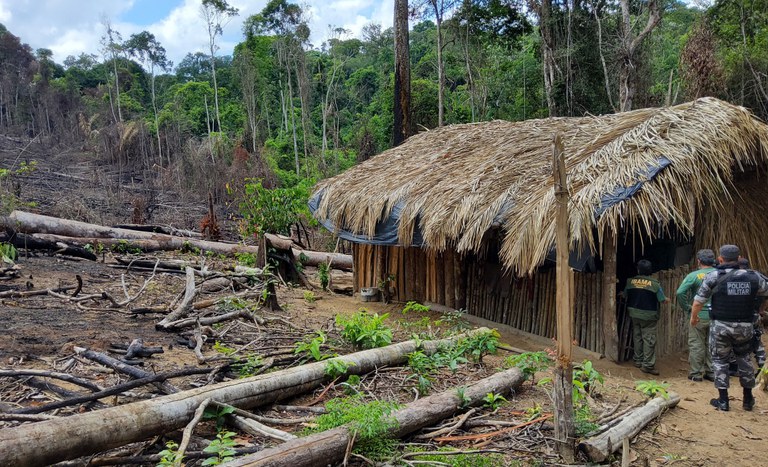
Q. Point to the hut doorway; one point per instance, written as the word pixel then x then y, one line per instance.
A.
pixel 670 255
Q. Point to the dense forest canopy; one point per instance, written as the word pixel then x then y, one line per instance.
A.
pixel 282 110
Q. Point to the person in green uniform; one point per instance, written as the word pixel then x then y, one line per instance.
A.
pixel 698 336
pixel 643 294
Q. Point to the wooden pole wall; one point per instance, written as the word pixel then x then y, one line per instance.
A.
pixel 609 325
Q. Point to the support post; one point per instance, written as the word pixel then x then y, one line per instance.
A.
pixel 610 327
pixel 563 392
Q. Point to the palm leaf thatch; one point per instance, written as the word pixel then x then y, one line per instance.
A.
pixel 456 183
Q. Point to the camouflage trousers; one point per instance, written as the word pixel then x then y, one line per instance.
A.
pixel 757 344
pixel 731 339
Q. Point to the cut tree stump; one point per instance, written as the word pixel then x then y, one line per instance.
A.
pixel 329 447
pixel 600 447
pixel 66 438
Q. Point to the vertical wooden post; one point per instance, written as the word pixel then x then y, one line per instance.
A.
pixel 564 429
pixel 609 324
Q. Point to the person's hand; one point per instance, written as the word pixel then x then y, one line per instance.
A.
pixel 694 319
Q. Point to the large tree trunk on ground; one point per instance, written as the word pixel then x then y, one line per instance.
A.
pixel 330 446
pixel 600 447
pixel 67 231
pixel 65 438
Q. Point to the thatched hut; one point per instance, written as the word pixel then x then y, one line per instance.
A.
pixel 464 215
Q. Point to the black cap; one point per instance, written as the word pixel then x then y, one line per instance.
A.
pixel 729 252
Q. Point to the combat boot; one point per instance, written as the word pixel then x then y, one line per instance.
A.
pixel 719 404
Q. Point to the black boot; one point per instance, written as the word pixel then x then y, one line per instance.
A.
pixel 749 400
pixel 721 403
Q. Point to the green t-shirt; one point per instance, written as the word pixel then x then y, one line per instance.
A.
pixel 643 295
pixel 688 289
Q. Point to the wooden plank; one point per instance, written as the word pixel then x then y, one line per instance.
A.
pixel 440 278
pixel 450 280
pixel 563 385
pixel 608 302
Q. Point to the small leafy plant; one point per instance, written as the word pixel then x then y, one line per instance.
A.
pixel 247 259
pixel 364 330
pixel 8 253
pixel 336 368
pixel 309 296
pixel 313 347
pixel 217 413
pixel 248 366
pixel 324 275
pixel 480 344
pixel 652 388
pixel 222 447
pixel 169 456
pixel 493 401
pixel 415 307
pixel 586 374
pixel 455 319
pixel 529 363
pixel 464 400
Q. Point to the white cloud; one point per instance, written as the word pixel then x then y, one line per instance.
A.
pixel 70 27
pixel 5 13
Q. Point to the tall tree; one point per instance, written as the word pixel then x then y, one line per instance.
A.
pixel 286 21
pixel 148 50
pixel 438 9
pixel 216 14
pixel 630 43
pixel 402 126
pixel 112 47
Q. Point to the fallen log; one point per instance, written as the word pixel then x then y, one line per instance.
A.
pixel 81 233
pixel 48 442
pixel 30 242
pixel 600 447
pixel 163 229
pixel 329 447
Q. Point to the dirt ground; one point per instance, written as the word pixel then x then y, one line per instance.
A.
pixel 40 332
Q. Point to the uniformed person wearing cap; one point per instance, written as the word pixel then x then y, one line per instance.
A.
pixel 732 292
pixel 699 356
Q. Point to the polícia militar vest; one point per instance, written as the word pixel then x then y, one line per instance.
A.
pixel 733 298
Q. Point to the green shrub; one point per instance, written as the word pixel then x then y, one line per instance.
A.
pixel 364 330
pixel 529 363
pixel 313 347
pixel 415 307
pixel 335 368
pixel 493 401
pixel 652 388
pixel 324 275
pixel 480 344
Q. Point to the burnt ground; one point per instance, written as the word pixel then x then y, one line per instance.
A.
pixel 41 332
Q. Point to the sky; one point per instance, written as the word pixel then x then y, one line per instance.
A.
pixel 70 27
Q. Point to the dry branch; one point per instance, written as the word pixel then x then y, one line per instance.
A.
pixel 91 432
pixel 600 447
pixel 52 374
pixel 329 447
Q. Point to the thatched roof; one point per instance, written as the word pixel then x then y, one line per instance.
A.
pixel 455 183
